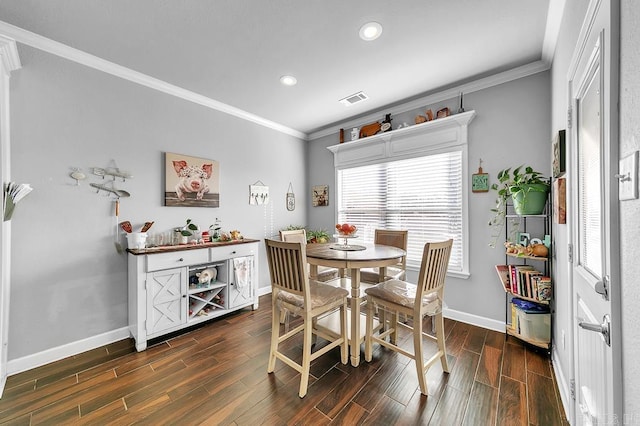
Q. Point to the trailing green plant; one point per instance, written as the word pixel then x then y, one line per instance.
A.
pixel 519 182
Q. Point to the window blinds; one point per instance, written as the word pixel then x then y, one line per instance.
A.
pixel 422 195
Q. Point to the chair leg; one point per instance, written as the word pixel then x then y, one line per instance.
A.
pixel 306 355
pixel 418 354
pixel 344 347
pixel 368 342
pixel 275 334
pixel 441 343
pixel 393 324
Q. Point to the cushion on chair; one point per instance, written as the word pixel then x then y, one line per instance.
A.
pixel 404 293
pixel 321 294
pixel 326 273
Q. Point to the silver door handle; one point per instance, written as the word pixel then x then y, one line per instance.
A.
pixel 604 328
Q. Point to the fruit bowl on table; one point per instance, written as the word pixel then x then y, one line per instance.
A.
pixel 345 230
pixel 341 235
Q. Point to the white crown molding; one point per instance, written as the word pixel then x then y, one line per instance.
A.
pixel 554 22
pixel 55 48
pixel 9 54
pixel 474 86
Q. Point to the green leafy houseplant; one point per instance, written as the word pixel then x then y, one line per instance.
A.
pixel 317 236
pixel 187 230
pixel 526 187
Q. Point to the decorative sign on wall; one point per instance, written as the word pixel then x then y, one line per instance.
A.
pixel 560 201
pixel 291 199
pixel 320 195
pixel 191 181
pixel 559 154
pixel 480 180
pixel 258 193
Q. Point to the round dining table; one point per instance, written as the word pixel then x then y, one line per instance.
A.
pixel 353 258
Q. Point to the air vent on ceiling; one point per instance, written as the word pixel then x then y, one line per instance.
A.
pixel 354 99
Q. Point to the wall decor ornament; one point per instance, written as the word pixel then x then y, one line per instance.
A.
pixel 320 195
pixel 559 154
pixel 191 181
pixel 258 194
pixel 291 199
pixel 480 180
pixel 560 201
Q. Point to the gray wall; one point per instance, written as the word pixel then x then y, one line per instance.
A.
pixel 68 282
pixel 511 128
pixel 630 210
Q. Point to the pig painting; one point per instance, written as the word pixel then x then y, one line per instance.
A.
pixel 192 179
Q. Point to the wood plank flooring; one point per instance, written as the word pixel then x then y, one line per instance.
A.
pixel 216 374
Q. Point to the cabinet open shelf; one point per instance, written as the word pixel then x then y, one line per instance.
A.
pixel 539 343
pixel 524 256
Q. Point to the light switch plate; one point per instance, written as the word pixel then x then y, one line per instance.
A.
pixel 628 177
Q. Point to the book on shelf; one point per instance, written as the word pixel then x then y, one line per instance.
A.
pixel 543 289
pixel 503 274
pixel 519 278
pixel 529 286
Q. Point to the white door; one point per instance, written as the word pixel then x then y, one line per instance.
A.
pixel 594 216
pixel 166 299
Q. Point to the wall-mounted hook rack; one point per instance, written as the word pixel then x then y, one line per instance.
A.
pixel 113 172
pixel 110 189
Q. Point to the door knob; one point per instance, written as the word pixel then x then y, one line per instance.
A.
pixel 604 328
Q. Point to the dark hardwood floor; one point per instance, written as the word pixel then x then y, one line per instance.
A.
pixel 216 374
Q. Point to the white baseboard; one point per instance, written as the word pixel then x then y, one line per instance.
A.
pixel 19 365
pixel 474 320
pixel 563 387
pixel 264 290
pixel 28 362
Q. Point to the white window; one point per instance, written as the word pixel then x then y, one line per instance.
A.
pixel 423 195
pixel 413 178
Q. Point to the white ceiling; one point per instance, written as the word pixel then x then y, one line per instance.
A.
pixel 234 51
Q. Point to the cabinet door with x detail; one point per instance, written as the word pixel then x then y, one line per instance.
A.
pixel 165 305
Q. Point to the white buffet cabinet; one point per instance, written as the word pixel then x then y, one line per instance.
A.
pixel 164 292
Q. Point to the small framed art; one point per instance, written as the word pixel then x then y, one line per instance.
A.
pixel 559 154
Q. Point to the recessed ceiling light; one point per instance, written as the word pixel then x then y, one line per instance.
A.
pixel 288 80
pixel 370 31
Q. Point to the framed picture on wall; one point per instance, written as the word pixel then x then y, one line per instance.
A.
pixel 191 181
pixel 559 154
pixel 320 195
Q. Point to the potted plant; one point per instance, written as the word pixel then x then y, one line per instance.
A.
pixel 187 231
pixel 215 230
pixel 317 236
pixel 528 190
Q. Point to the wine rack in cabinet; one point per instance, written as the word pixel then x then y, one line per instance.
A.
pixel 171 288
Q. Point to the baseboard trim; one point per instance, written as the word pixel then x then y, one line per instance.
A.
pixel 563 387
pixel 29 362
pixel 474 320
pixel 264 290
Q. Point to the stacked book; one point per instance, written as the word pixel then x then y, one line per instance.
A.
pixel 525 281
